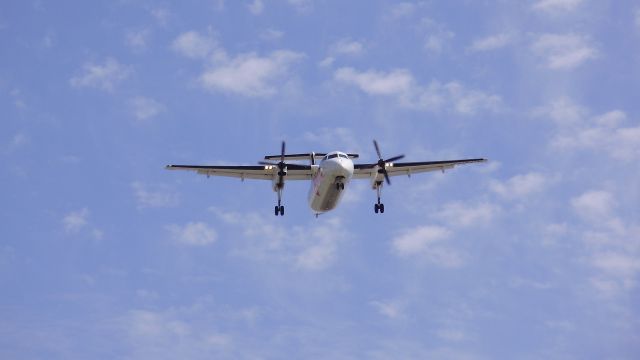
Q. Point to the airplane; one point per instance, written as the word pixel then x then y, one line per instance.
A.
pixel 329 177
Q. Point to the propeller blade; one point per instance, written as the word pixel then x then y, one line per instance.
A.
pixel 282 153
pixel 394 158
pixel 375 144
pixel 386 177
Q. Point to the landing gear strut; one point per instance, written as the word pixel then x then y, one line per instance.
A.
pixel 279 209
pixel 379 207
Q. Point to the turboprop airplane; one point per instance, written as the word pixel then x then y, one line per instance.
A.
pixel 329 177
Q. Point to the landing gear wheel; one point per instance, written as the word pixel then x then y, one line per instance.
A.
pixel 281 210
pixel 341 186
pixel 376 208
pixel 381 208
pixel 277 210
pixel 338 186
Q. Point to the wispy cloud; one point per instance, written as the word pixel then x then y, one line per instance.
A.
pixel 256 7
pixel 460 214
pixel 144 108
pixel 428 243
pixel 390 309
pixel 102 76
pixel 310 248
pixel 194 45
pixel 594 205
pixel 137 39
pixel 78 221
pixel 520 186
pixel 271 34
pixel 556 6
pixel 75 220
pixel 401 85
pixel 302 6
pixel 347 46
pixel 605 132
pixel 492 42
pixel 193 234
pixel 563 51
pixel 250 74
pixel 153 196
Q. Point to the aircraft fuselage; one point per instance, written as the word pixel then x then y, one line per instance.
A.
pixel 329 181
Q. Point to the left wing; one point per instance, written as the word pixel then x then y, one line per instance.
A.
pixel 362 171
pixel 260 172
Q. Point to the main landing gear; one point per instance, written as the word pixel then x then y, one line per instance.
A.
pixel 279 209
pixel 379 207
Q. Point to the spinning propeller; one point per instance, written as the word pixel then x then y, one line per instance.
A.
pixel 282 166
pixel 382 163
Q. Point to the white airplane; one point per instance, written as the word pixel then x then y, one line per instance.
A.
pixel 328 178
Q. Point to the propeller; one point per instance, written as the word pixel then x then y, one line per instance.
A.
pixel 282 166
pixel 382 163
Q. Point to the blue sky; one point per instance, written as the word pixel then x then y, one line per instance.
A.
pixel 104 254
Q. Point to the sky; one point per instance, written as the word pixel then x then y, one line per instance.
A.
pixel 106 255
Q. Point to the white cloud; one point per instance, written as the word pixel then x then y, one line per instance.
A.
pixel 256 7
pixel 194 234
pixel 17 141
pixel 137 40
pixel 520 186
pixel 145 108
pixel 390 309
pixel 459 214
pixel 154 196
pixel 401 85
pixel 403 9
pixel 437 40
pixel 76 220
pixel 605 133
pixel 271 34
pixel 426 242
pixel 161 15
pixel 302 6
pixel 347 47
pixel 249 74
pixel 180 333
pixel 194 45
pixel 105 76
pixel 492 42
pixel 311 248
pixel 418 239
pixel 595 205
pixel 332 138
pixel 563 52
pixel 563 111
pixel 395 82
pixel 556 6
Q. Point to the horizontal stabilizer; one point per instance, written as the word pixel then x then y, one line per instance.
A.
pixel 306 156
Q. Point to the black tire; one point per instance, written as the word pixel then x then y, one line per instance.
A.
pixel 277 210
pixel 281 210
pixel 381 208
pixel 376 208
pixel 341 186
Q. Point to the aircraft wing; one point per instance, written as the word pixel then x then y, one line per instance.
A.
pixel 260 172
pixel 362 171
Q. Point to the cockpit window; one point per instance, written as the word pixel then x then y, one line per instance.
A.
pixel 332 156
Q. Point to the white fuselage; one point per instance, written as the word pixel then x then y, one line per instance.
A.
pixel 329 181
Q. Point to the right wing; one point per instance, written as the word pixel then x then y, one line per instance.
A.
pixel 260 172
pixel 393 169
